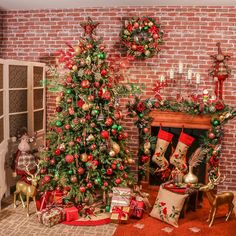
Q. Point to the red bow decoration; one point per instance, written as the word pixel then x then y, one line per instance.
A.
pixel 121 213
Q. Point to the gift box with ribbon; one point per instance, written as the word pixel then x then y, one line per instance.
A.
pixel 51 215
pixel 136 208
pixel 71 213
pixel 120 197
pixel 44 200
pixel 120 214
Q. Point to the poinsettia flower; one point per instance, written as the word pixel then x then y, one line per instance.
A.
pixel 140 107
pixel 130 28
pixel 219 105
pixel 80 103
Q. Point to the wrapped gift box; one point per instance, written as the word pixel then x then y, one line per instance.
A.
pixel 44 200
pixel 120 214
pixel 120 197
pixel 71 213
pixel 51 216
pixel 136 208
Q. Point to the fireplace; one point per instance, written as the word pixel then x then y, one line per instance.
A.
pixel 173 122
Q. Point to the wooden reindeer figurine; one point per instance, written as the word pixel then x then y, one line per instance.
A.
pixel 29 190
pixel 216 200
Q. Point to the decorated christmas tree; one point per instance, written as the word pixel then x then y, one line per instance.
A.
pixel 86 151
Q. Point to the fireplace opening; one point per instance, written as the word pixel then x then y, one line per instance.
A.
pixel 198 134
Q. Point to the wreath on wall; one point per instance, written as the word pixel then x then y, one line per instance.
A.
pixel 220 113
pixel 142 37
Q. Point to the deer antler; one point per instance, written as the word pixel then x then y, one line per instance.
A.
pixel 38 169
pixel 217 180
pixel 27 170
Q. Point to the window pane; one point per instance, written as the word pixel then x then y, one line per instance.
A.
pixel 1 76
pixel 38 98
pixel 1 103
pixel 17 101
pixel 38 76
pixel 17 76
pixel 1 130
pixel 17 122
pixel 38 120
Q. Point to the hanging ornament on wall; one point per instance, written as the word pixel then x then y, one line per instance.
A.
pixel 220 71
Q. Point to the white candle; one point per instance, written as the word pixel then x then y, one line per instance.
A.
pixel 172 74
pixel 162 78
pixel 181 66
pixel 189 74
pixel 198 78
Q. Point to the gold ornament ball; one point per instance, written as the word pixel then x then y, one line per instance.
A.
pixel 116 147
pixel 130 161
pixel 58 99
pixel 84 157
pixel 146 151
pixel 112 153
pixel 74 68
pixel 85 107
pixel 147 145
pixel 77 50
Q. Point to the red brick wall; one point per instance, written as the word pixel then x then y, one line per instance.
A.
pixel 190 36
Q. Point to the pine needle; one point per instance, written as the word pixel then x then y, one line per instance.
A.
pixel 197 157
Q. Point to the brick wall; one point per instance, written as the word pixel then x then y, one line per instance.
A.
pixel 190 36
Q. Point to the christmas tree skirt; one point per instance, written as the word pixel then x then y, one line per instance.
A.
pixel 92 220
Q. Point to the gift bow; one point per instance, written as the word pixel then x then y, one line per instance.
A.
pixel 120 212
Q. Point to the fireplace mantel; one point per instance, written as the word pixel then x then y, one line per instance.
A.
pixel 180 119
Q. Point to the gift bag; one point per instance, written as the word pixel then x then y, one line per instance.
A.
pixel 136 208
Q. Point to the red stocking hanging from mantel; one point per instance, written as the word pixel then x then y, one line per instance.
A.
pixel 220 71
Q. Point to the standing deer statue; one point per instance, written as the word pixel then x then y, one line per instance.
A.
pixel 216 200
pixel 29 190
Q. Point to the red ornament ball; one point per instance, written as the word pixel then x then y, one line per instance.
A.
pixel 90 98
pixel 96 84
pixel 211 135
pixel 89 185
pixel 103 72
pixel 125 135
pixel 82 189
pixel 57 152
pixel 144 159
pixel 69 158
pixel 52 161
pixel 113 166
pixel 105 184
pixel 118 181
pixel 109 171
pixel 108 121
pixel 80 170
pixel 104 134
pixel 145 130
pixel 90 157
pixel 58 109
pixel 85 84
pixel 47 178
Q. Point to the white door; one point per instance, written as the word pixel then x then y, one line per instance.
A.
pixel 3 130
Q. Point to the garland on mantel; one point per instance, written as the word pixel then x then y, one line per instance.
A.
pixel 219 111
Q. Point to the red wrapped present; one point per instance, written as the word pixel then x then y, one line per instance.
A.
pixel 136 209
pixel 44 200
pixel 71 213
pixel 120 214
pixel 51 216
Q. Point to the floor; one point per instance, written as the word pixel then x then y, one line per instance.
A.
pixel 14 222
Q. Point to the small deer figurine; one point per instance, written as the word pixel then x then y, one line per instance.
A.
pixel 216 200
pixel 27 189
